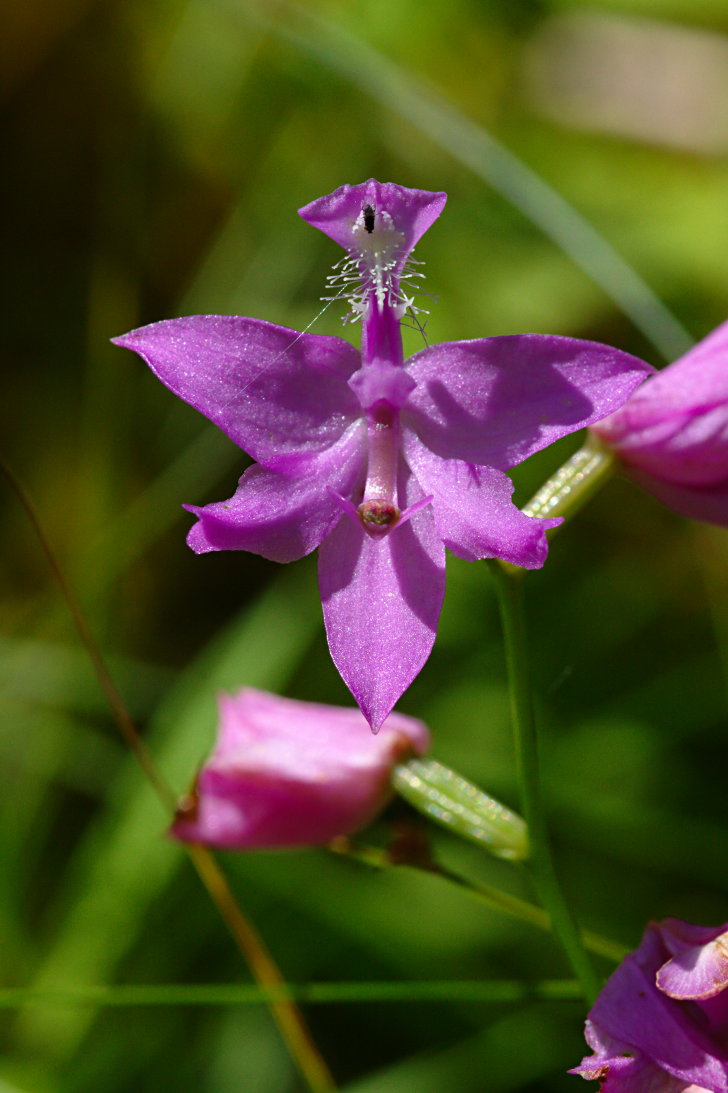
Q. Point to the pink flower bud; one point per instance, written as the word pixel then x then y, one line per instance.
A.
pixel 672 434
pixel 287 773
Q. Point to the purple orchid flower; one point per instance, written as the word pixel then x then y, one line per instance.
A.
pixel 661 1022
pixel 287 773
pixel 672 435
pixel 380 463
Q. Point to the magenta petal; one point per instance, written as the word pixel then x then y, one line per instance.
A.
pixel 632 1010
pixel 698 972
pixel 381 599
pixel 474 514
pixel 288 773
pixel 690 446
pixel 272 390
pixel 697 381
pixel 620 1071
pixel 412 211
pixel 498 400
pixel 279 516
pixel 672 435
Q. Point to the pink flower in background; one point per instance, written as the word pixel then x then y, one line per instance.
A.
pixel 379 462
pixel 672 434
pixel 660 1025
pixel 287 773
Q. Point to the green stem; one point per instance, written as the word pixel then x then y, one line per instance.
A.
pixel 483 893
pixel 574 482
pixel 242 994
pixel 508 583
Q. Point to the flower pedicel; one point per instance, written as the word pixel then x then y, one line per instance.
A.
pixel 379 462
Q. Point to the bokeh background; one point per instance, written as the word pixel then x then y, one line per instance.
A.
pixel 155 153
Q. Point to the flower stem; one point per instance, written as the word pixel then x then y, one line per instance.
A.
pixel 574 482
pixel 508 583
pixel 492 897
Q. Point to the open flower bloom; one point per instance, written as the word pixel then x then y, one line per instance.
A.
pixel 660 1025
pixel 379 462
pixel 287 773
pixel 672 434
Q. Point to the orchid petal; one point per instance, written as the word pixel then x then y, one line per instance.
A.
pixel 288 773
pixel 474 514
pixel 498 400
pixel 273 391
pixel 632 1010
pixel 689 446
pixel 698 972
pixel 620 1071
pixel 708 503
pixel 282 517
pixel 698 380
pixel 411 211
pixel 381 599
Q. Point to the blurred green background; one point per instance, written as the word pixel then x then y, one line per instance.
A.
pixel 155 153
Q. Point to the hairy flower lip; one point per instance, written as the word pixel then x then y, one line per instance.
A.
pixel 336 214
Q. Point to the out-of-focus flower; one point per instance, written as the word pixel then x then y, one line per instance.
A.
pixel 672 434
pixel 379 462
pixel 660 1025
pixel 288 773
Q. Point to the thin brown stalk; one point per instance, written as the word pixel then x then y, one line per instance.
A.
pixel 264 970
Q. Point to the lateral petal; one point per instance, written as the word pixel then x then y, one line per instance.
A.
pixel 474 514
pixel 381 599
pixel 498 400
pixel 273 391
pixel 278 516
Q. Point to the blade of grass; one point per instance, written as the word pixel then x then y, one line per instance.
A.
pixel 235 994
pixel 492 897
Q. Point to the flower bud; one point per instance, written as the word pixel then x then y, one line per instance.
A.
pixel 450 800
pixel 287 773
pixel 672 434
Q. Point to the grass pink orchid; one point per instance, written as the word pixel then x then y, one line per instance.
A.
pixel 661 1021
pixel 672 435
pixel 378 462
pixel 288 773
